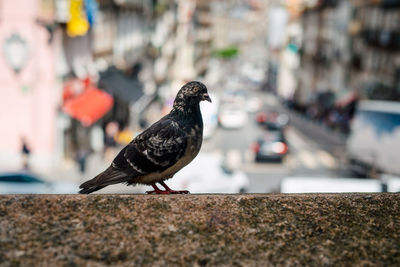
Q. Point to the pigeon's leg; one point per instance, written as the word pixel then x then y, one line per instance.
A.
pixel 157 190
pixel 170 191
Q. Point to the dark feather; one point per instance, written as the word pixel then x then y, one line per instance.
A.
pixel 157 148
pixel 159 152
pixel 108 177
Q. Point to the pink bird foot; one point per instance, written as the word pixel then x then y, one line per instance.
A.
pixel 167 190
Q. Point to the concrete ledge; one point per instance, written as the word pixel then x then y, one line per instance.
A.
pixel 97 230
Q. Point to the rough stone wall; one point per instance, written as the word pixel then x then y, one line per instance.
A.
pixel 197 230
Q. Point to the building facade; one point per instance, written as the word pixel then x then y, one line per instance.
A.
pixel 29 87
pixel 350 47
pixel 375 58
pixel 53 51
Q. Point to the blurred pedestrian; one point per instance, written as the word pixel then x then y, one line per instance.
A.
pixel 110 143
pixel 143 123
pixel 25 153
pixel 81 159
pixel 124 137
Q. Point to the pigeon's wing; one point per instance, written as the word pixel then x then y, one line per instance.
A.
pixel 155 150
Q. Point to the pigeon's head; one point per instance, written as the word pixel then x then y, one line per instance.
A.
pixel 191 94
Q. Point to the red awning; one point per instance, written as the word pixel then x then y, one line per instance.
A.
pixel 89 106
pixel 75 87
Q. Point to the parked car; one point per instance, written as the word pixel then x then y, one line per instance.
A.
pixel 28 183
pixel 232 117
pixel 272 119
pixel 271 146
pixel 208 174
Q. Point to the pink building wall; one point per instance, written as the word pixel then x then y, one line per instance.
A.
pixel 30 112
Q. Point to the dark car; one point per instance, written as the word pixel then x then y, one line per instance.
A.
pixel 272 120
pixel 28 183
pixel 271 146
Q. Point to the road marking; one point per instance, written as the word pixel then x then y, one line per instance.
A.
pixel 294 138
pixel 326 159
pixel 308 159
pixel 218 152
pixel 234 158
pixel 291 161
pixel 249 156
pixel 265 168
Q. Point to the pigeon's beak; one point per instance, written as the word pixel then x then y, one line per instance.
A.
pixel 206 96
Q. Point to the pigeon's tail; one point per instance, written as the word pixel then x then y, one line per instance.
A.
pixel 108 177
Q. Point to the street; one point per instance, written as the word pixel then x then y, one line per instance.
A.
pixel 307 156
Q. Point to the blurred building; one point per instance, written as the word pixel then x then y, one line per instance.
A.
pixel 283 71
pixel 325 52
pixel 203 37
pixel 375 59
pixel 240 30
pixel 30 91
pixel 71 67
pixel 183 42
pixel 349 50
pixel 105 49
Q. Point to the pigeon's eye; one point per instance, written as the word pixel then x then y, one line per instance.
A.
pixel 196 89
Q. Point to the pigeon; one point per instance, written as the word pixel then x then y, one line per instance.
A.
pixel 160 151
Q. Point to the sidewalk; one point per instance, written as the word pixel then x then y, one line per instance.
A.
pixel 69 170
pixel 96 163
pixel 332 141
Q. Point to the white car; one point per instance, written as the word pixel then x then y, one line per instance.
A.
pixel 207 174
pixel 28 183
pixel 232 117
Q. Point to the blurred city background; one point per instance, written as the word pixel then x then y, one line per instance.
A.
pixel 305 92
